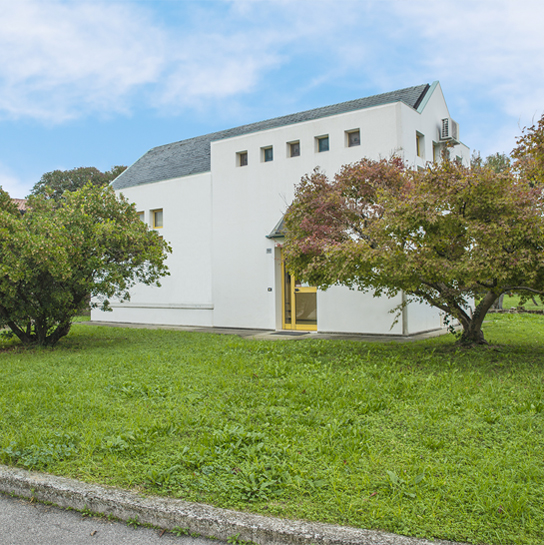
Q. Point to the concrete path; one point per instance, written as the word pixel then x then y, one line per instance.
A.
pixel 40 524
pixel 265 334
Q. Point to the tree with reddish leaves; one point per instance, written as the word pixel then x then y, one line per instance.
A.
pixel 447 235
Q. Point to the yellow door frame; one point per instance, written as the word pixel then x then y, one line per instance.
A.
pixel 292 323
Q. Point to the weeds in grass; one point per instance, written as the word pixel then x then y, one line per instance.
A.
pixel 61 446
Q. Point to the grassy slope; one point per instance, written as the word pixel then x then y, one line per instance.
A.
pixel 420 439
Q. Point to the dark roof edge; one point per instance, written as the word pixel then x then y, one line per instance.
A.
pixel 421 96
pixel 425 97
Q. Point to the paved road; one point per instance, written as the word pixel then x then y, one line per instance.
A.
pixel 26 523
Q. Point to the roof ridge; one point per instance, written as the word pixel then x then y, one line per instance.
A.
pixel 319 108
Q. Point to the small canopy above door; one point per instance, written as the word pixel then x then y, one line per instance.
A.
pixel 278 231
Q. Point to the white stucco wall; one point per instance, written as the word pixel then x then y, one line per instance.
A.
pixel 421 317
pixel 185 297
pixel 340 309
pixel 249 200
pixel 221 272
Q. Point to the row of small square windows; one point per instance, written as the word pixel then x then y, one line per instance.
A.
pixel 156 218
pixel 353 138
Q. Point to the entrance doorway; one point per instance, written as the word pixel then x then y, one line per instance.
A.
pixel 299 303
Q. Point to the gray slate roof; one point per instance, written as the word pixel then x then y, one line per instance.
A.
pixel 192 156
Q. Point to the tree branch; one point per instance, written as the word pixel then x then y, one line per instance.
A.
pixel 525 288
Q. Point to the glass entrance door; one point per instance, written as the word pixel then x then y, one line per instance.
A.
pixel 299 303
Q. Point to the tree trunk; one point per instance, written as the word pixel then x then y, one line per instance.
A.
pixel 472 327
pixel 61 331
pixel 471 336
pixel 40 337
pixel 497 305
pixel 24 336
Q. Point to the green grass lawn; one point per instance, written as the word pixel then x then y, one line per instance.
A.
pixel 511 301
pixel 422 439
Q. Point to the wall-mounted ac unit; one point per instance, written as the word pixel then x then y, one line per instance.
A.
pixel 449 130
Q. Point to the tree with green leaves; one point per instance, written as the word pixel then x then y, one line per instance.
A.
pixel 528 154
pixel 53 184
pixel 54 256
pixel 498 162
pixel 447 235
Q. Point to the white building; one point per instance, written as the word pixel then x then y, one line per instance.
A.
pixel 217 199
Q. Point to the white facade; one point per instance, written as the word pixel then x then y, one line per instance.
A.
pixel 225 272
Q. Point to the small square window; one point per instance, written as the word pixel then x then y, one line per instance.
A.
pixel 322 143
pixel 294 149
pixel 242 158
pixel 268 154
pixel 157 218
pixel 354 138
pixel 141 215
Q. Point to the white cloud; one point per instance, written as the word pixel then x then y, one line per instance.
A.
pixel 490 49
pixel 213 66
pixel 12 184
pixel 62 59
pixel 58 60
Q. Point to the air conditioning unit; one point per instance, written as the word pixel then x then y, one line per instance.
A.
pixel 449 130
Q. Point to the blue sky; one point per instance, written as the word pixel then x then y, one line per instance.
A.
pixel 99 83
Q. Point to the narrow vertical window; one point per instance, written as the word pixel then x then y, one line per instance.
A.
pixel 353 138
pixel 268 154
pixel 141 215
pixel 157 218
pixel 242 158
pixel 322 143
pixel 420 145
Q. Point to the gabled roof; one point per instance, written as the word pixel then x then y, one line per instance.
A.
pixel 192 156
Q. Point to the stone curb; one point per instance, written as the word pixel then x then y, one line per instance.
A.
pixel 203 519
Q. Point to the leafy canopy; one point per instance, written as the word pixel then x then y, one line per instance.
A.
pixel 444 235
pixel 57 254
pixel 53 184
pixel 498 162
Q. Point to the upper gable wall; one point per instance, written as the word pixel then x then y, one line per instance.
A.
pixel 427 122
